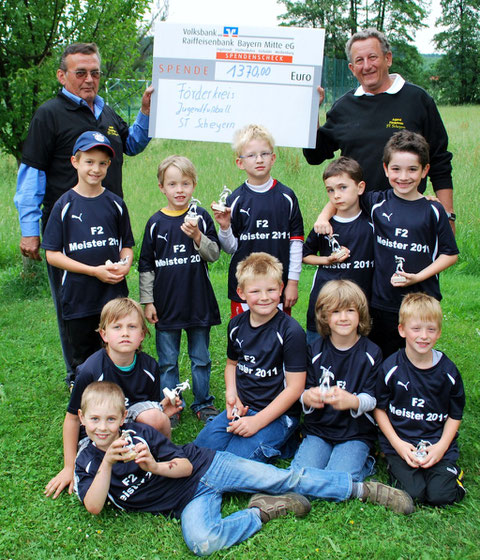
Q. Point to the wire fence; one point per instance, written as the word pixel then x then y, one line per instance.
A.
pixel 125 96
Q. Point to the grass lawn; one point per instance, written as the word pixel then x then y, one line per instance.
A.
pixel 33 397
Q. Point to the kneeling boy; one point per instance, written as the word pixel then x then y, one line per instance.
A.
pixel 420 400
pixel 188 481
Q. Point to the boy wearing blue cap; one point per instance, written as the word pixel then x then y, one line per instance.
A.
pixel 88 235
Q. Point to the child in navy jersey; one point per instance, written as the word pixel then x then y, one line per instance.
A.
pixel 88 235
pixel 265 371
pixel 261 215
pixel 353 235
pixel 188 482
pixel 413 240
pixel 122 328
pixel 342 371
pixel 174 282
pixel 420 401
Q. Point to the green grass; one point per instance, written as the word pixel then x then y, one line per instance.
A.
pixel 33 397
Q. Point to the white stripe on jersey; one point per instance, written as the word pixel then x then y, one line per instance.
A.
pixel 279 336
pixel 152 227
pixel 65 209
pixel 451 379
pixel 232 206
pixel 101 377
pixel 390 373
pixel 120 209
pixel 315 358
pixel 232 332
pixel 289 198
pixel 374 207
pixel 149 375
pixel 372 361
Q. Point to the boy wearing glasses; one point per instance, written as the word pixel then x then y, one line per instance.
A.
pixel 261 215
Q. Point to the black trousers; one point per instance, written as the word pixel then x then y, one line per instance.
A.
pixel 82 338
pixel 437 486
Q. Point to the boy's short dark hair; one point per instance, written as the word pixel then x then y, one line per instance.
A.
pixel 345 165
pixel 118 308
pixel 407 141
pixel 336 295
pixel 100 392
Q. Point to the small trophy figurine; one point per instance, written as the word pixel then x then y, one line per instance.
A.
pixel 222 200
pixel 236 416
pixel 192 215
pixel 172 394
pixel 397 278
pixel 335 245
pixel 121 261
pixel 420 452
pixel 325 380
pixel 129 445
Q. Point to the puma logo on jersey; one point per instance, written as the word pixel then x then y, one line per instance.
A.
pixel 388 216
pixel 404 385
pixel 247 211
pixel 164 237
pixel 79 217
pixel 453 470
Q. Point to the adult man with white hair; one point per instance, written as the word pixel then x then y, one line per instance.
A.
pixel 361 122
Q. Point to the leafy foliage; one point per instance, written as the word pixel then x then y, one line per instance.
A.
pixel 399 19
pixel 33 35
pixel 458 71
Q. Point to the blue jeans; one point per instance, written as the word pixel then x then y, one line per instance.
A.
pixel 350 456
pixel 263 446
pixel 168 348
pixel 203 528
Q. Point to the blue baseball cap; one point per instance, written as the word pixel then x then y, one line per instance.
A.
pixel 92 139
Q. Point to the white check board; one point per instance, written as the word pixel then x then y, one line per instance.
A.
pixel 211 80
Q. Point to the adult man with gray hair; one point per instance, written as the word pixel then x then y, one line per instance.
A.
pixel 45 172
pixel 361 122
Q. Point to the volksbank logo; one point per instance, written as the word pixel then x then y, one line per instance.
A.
pixel 230 31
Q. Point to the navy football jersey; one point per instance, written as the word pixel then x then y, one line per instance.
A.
pixel 418 231
pixel 265 221
pixel 90 231
pixel 183 294
pixel 264 354
pixel 355 370
pixel 419 401
pixel 357 236
pixel 132 488
pixel 140 384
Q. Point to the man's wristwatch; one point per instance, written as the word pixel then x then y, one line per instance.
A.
pixel 451 216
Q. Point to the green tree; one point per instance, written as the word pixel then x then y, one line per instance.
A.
pixel 458 71
pixel 32 37
pixel 325 14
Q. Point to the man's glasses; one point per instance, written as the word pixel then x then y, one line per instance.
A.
pixel 253 157
pixel 81 74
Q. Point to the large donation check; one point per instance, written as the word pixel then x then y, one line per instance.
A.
pixel 210 80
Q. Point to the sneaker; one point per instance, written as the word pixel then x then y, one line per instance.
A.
pixel 392 498
pixel 272 507
pixel 175 420
pixel 207 413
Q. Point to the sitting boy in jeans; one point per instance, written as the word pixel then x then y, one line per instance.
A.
pixel 188 482
pixel 265 372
